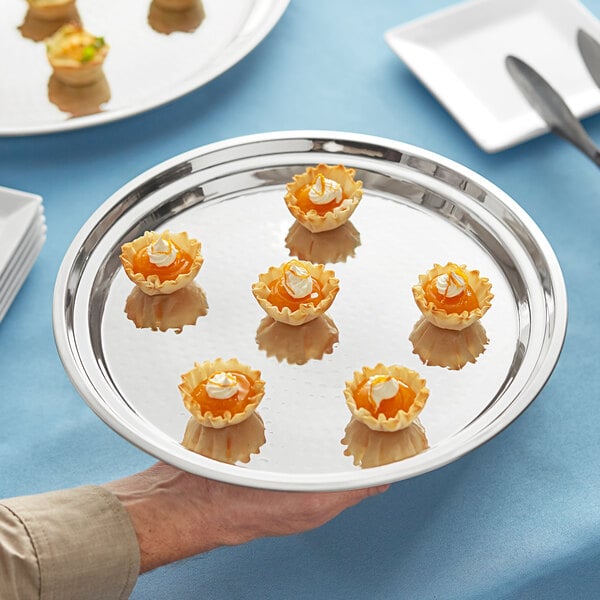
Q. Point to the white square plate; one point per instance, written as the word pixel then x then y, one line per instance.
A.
pixel 23 230
pixel 17 212
pixel 16 259
pixel 458 53
pixel 14 278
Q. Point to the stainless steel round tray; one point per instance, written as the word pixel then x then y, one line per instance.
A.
pixel 125 352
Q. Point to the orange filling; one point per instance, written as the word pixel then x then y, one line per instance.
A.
pixel 390 407
pixel 182 264
pixel 280 297
pixel 304 203
pixel 465 301
pixel 236 404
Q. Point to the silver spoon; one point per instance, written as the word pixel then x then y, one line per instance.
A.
pixel 548 103
pixel 590 52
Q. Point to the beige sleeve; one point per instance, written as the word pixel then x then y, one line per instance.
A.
pixel 65 545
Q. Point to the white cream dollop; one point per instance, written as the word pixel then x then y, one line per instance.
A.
pixel 450 284
pixel 221 385
pixel 297 280
pixel 162 252
pixel 382 387
pixel 324 191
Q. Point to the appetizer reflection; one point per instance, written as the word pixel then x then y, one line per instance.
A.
pixel 168 311
pixel 375 448
pixel 78 101
pixel 446 347
pixel 332 246
pixel 38 27
pixel 232 444
pixel 51 10
pixel 169 16
pixel 297 344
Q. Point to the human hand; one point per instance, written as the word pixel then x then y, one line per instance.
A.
pixel 176 514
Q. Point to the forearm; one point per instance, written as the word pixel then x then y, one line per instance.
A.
pixel 167 515
pixel 177 515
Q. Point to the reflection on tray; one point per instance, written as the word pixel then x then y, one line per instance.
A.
pixel 375 448
pixel 445 347
pixel 332 246
pixel 167 311
pixel 79 101
pixel 169 16
pixel 297 344
pixel 37 28
pixel 232 444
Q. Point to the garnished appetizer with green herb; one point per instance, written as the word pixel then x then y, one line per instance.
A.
pixel 76 56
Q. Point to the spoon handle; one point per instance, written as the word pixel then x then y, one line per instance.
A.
pixel 579 138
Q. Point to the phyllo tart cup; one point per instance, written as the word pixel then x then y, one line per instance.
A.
pixel 447 317
pixel 76 56
pixel 311 216
pixel 221 412
pixel 299 311
pixel 412 388
pixel 152 283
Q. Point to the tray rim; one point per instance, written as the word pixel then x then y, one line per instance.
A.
pixel 313 482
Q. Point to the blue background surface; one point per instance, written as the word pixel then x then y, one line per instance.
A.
pixel 516 518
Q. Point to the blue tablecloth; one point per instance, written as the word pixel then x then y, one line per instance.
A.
pixel 517 518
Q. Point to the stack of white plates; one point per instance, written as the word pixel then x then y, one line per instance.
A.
pixel 23 233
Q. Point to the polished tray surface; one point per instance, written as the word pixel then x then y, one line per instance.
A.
pixel 155 56
pixel 125 352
